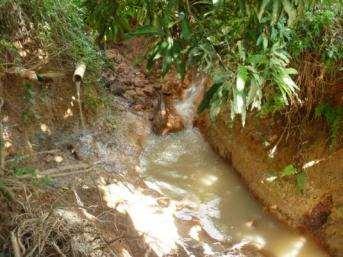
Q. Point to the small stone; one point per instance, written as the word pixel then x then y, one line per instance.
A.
pixel 163 201
pixel 251 224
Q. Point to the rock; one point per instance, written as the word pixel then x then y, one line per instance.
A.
pixel 251 223
pixel 165 118
pixel 160 116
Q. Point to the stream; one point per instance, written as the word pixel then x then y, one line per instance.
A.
pixel 183 167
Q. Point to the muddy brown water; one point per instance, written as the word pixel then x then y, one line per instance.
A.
pixel 184 167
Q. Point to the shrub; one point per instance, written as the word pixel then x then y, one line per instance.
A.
pixel 245 46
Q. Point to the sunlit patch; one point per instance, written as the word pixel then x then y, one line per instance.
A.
pixel 209 180
pixel 68 113
pixel 45 128
pixel 170 154
pixel 271 178
pixel 29 144
pixel 162 187
pixel 311 163
pixel 240 84
pixel 125 253
pixel 71 217
pixel 250 223
pixel 239 104
pixel 22 53
pixel 295 248
pixel 256 240
pixel 8 144
pixel 208 211
pixel 272 152
pixel 6 118
pixel 207 249
pixel 138 169
pixel 266 144
pixel 6 135
pixel 58 159
pixel 18 44
pixel 155 223
pixel 194 232
pixel 81 207
pixel 40 54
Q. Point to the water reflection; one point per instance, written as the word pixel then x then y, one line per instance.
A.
pixel 184 167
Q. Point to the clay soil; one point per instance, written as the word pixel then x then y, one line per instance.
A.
pixel 318 208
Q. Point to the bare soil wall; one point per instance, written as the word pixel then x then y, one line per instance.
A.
pixel 317 210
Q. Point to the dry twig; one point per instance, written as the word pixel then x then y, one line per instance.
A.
pixel 15 245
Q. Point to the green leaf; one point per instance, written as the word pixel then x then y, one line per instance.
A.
pixel 291 71
pixel 290 10
pixel 265 41
pixel 241 51
pixel 255 92
pixel 276 10
pixel 289 170
pixel 301 179
pixel 241 78
pixel 205 103
pixel 185 29
pixel 262 9
pixel 147 30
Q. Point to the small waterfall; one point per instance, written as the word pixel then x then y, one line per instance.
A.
pixel 187 106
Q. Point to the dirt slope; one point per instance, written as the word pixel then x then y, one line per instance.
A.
pixel 319 208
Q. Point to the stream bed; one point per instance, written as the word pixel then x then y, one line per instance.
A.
pixel 183 167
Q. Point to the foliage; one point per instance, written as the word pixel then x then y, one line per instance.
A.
pixel 107 18
pixel 7 48
pixel 22 171
pixel 31 174
pixel 289 170
pixel 56 26
pixel 334 118
pixel 245 46
pixel 300 176
pixel 320 32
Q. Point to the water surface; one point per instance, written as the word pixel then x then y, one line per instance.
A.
pixel 185 168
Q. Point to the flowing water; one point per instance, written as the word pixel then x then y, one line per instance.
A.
pixel 183 167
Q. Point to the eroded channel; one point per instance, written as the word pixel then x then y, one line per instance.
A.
pixel 183 167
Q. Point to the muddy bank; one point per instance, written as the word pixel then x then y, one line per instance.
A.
pixel 259 153
pixel 70 172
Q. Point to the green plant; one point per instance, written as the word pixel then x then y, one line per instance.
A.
pixel 8 53
pixel 246 44
pixel 106 18
pixel 43 182
pixel 319 32
pixel 22 171
pixel 56 27
pixel 300 176
pixel 334 118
